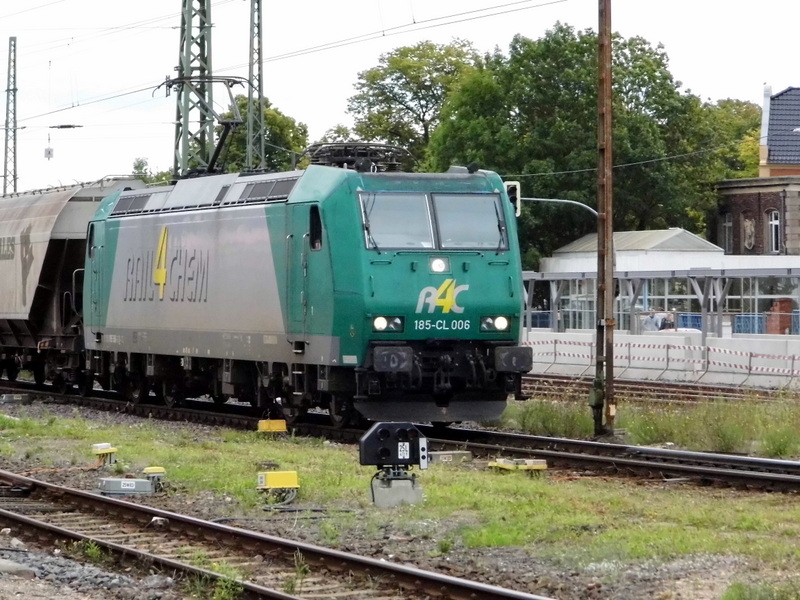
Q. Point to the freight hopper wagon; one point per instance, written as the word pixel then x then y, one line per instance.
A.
pixel 385 294
pixel 42 249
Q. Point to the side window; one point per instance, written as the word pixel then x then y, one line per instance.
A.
pixel 315 229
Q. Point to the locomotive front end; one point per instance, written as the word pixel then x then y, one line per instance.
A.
pixel 443 299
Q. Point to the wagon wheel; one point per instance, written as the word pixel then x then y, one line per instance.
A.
pixel 39 374
pixel 86 383
pixel 341 411
pixel 62 384
pixel 220 399
pixel 12 370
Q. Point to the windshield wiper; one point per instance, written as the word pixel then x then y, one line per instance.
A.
pixel 500 227
pixel 370 239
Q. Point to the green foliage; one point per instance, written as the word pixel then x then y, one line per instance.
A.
pixel 141 169
pixel 400 100
pixel 90 551
pixel 285 140
pixel 532 115
pixel 294 584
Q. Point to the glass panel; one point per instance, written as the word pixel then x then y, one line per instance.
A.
pixel 396 221
pixel 122 205
pixel 470 221
pixel 282 189
pixel 776 286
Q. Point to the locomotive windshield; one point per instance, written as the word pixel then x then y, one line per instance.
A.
pixel 443 221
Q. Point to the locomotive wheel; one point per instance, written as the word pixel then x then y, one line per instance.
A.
pixel 341 411
pixel 220 399
pixel 139 389
pixel 172 394
pixel 293 414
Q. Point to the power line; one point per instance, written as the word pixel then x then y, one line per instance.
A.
pixel 632 164
pixel 87 103
pixel 405 28
pixel 397 30
pixel 19 12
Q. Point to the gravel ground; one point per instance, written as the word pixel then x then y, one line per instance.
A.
pixel 702 577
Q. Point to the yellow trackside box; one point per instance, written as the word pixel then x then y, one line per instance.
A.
pixel 272 425
pixel 270 480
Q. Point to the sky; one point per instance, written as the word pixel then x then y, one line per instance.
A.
pixel 99 63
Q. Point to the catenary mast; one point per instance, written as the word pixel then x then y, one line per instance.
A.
pixel 256 130
pixel 10 160
pixel 194 123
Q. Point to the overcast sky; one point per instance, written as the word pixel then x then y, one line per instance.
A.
pixel 79 60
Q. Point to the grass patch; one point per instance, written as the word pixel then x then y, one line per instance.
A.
pixel 742 591
pixel 573 520
pixel 770 429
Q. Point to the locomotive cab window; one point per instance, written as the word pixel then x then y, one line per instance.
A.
pixel 408 221
pixel 470 222
pixel 396 220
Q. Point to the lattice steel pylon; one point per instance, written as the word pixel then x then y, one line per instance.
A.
pixel 10 162
pixel 256 130
pixel 194 123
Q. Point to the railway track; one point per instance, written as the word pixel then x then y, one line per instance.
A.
pixel 742 471
pixel 264 566
pixel 562 387
pixel 703 467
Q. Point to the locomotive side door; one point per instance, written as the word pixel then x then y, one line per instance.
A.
pixel 94 251
pixel 297 269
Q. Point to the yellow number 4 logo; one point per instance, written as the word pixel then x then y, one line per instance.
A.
pixel 160 264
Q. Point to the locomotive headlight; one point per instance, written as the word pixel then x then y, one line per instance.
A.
pixel 494 324
pixel 388 324
pixel 440 265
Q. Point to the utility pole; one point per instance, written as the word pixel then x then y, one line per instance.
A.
pixel 603 389
pixel 10 161
pixel 194 122
pixel 256 130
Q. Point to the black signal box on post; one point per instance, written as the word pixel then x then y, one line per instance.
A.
pixel 394 445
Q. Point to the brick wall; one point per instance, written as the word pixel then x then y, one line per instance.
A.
pixel 753 206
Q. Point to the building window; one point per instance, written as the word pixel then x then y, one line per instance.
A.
pixel 774 231
pixel 727 233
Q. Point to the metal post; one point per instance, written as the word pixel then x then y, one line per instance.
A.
pixel 603 389
pixel 10 156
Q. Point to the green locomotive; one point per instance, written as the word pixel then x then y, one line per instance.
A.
pixel 395 296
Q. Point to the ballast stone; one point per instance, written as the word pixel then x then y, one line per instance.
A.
pixel 9 567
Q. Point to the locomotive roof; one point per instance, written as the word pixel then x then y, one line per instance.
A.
pixel 264 188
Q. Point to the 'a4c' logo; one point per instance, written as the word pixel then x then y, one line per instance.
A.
pixel 446 296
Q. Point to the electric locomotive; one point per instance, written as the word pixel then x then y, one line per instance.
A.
pixel 361 290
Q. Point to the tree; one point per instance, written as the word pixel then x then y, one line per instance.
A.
pixel 532 115
pixel 285 140
pixel 399 101
pixel 337 134
pixel 142 170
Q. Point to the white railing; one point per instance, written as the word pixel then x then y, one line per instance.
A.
pixel 760 361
